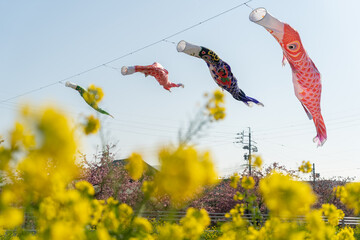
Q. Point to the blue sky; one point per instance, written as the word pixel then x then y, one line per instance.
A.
pixel 44 42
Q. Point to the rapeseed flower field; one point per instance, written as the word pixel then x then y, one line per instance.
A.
pixel 43 176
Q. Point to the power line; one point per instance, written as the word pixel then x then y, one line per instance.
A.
pixel 128 54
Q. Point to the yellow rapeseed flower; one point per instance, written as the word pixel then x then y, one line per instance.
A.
pixel 125 213
pixel 97 211
pixel 234 179
pixel 48 210
pixel 218 113
pixel 58 137
pixel 339 191
pixel 50 165
pixel 247 182
pixel 97 92
pixel 170 231
pixel 238 196
pixel 116 217
pixel 20 136
pixel 135 166
pixel 142 225
pixel 215 107
pixel 103 234
pixel 93 95
pixel 11 218
pixel 218 96
pixel 305 167
pixel 332 213
pixel 148 187
pixel 43 175
pixel 237 227
pixel 274 228
pixel 317 227
pixel 258 162
pixel 66 230
pixel 194 223
pixel 7 197
pixel 183 173
pixel 346 233
pixel 92 125
pixel 85 187
pixel 5 157
pixel 286 197
pixel 350 196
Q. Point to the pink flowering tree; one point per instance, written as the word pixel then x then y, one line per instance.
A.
pixel 324 189
pixel 110 179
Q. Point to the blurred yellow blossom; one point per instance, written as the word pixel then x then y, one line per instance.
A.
pixel 339 191
pixel 148 187
pixel 125 213
pixel 234 179
pixel 111 201
pixel 142 224
pixel 50 164
pixel 11 218
pixel 194 223
pixel 332 213
pixel 305 167
pixel 85 187
pixel 238 196
pixel 218 96
pixel 218 113
pixel 237 227
pixel 258 162
pixel 215 105
pixel 7 197
pixel 248 182
pixel 103 234
pixel 349 195
pixel 116 217
pixel 283 230
pixel 346 233
pixel 286 197
pixel 65 230
pixel 48 210
pixel 317 227
pixel 183 173
pixel 21 137
pixel 135 166
pixel 170 231
pixel 92 125
pixel 93 95
pixel 98 207
pixel 274 228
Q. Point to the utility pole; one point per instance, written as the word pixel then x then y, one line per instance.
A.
pixel 247 144
pixel 314 173
pixel 249 152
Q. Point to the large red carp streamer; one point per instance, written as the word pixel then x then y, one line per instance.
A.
pixel 306 77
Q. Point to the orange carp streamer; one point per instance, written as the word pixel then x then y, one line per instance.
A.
pixel 156 70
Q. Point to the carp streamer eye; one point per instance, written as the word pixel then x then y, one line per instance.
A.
pixel 293 46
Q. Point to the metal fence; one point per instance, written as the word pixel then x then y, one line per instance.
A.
pixel 220 217
pixel 30 224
